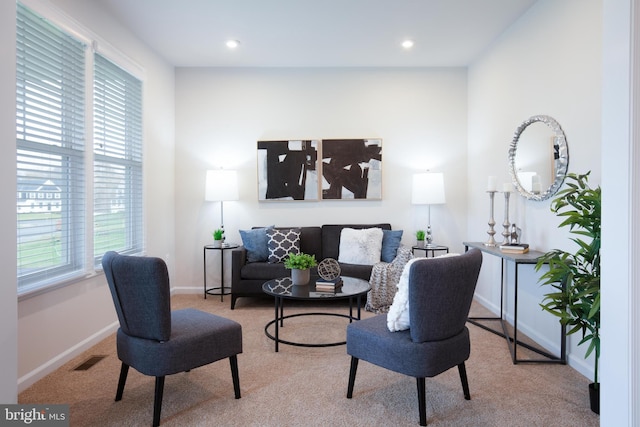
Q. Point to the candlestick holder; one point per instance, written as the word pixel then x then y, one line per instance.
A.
pixel 506 234
pixel 492 222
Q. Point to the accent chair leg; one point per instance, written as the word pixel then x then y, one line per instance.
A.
pixel 422 401
pixel 465 383
pixel 233 360
pixel 124 370
pixel 352 376
pixel 233 301
pixel 157 402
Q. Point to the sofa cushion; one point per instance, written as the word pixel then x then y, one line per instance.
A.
pixel 360 246
pixel 255 242
pixel 356 270
pixel 264 271
pixel 282 242
pixel 311 241
pixel 390 244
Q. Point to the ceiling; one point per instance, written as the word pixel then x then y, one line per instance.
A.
pixel 319 33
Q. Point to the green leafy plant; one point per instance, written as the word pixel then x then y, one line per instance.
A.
pixel 217 234
pixel 575 277
pixel 300 261
pixel 420 235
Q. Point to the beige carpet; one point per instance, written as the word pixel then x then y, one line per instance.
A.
pixel 307 386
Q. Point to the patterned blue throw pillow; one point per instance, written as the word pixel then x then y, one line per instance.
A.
pixel 282 243
pixel 255 242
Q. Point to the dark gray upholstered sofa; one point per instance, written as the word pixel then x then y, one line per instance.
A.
pixel 323 241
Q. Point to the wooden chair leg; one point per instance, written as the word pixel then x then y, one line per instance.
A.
pixel 422 401
pixel 465 383
pixel 233 360
pixel 157 402
pixel 124 370
pixel 352 376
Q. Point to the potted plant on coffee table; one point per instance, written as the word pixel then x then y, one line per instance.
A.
pixel 575 276
pixel 300 265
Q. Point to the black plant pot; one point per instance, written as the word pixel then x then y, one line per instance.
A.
pixel 594 397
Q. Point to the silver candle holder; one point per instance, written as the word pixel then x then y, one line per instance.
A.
pixel 506 233
pixel 492 222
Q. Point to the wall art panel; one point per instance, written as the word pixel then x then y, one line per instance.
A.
pixel 288 170
pixel 351 169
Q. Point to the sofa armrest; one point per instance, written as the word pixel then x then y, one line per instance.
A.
pixel 238 260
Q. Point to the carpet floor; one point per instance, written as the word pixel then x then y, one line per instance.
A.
pixel 301 386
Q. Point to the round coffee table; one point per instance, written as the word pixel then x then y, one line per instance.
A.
pixel 281 289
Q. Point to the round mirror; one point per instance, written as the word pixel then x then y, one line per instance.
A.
pixel 538 158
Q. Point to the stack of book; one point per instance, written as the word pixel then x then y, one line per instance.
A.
pixel 515 248
pixel 331 286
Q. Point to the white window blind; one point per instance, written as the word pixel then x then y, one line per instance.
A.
pixel 117 150
pixel 62 101
pixel 50 133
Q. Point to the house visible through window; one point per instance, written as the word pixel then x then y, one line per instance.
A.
pixel 56 167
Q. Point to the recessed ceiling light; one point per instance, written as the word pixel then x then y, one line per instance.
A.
pixel 407 44
pixel 232 44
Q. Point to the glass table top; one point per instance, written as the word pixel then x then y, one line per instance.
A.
pixel 283 287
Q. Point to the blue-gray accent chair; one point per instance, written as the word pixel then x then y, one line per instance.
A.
pixel 440 295
pixel 157 341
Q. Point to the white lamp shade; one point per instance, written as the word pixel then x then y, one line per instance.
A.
pixel 221 185
pixel 428 189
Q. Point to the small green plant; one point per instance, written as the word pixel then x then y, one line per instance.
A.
pixel 575 277
pixel 217 234
pixel 300 261
pixel 420 235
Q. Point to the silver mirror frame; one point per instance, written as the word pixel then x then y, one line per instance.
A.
pixel 561 163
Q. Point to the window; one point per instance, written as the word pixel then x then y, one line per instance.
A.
pixel 56 170
pixel 117 164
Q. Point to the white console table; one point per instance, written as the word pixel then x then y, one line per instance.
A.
pixel 530 257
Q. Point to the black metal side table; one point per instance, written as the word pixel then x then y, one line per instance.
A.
pixel 430 248
pixel 530 258
pixel 218 290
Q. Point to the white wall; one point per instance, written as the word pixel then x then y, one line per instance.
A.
pixel 549 62
pixel 8 290
pixel 59 324
pixel 420 115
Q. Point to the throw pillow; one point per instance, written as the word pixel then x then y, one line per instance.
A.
pixel 398 315
pixel 390 244
pixel 360 246
pixel 255 242
pixel 282 243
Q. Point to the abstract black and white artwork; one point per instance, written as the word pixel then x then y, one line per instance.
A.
pixel 351 169
pixel 288 170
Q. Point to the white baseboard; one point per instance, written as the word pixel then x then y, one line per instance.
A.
pixel 45 369
pixel 187 290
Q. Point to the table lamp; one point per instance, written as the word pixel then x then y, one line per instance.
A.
pixel 428 189
pixel 221 185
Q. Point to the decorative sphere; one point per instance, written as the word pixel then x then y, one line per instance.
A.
pixel 329 269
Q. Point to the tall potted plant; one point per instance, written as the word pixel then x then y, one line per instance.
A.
pixel 575 276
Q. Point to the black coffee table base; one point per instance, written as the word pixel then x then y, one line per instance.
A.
pixel 282 288
pixel 279 340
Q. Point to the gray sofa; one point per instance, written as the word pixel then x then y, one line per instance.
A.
pixel 323 241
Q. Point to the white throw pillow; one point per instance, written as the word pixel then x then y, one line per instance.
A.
pixel 360 246
pixel 398 315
